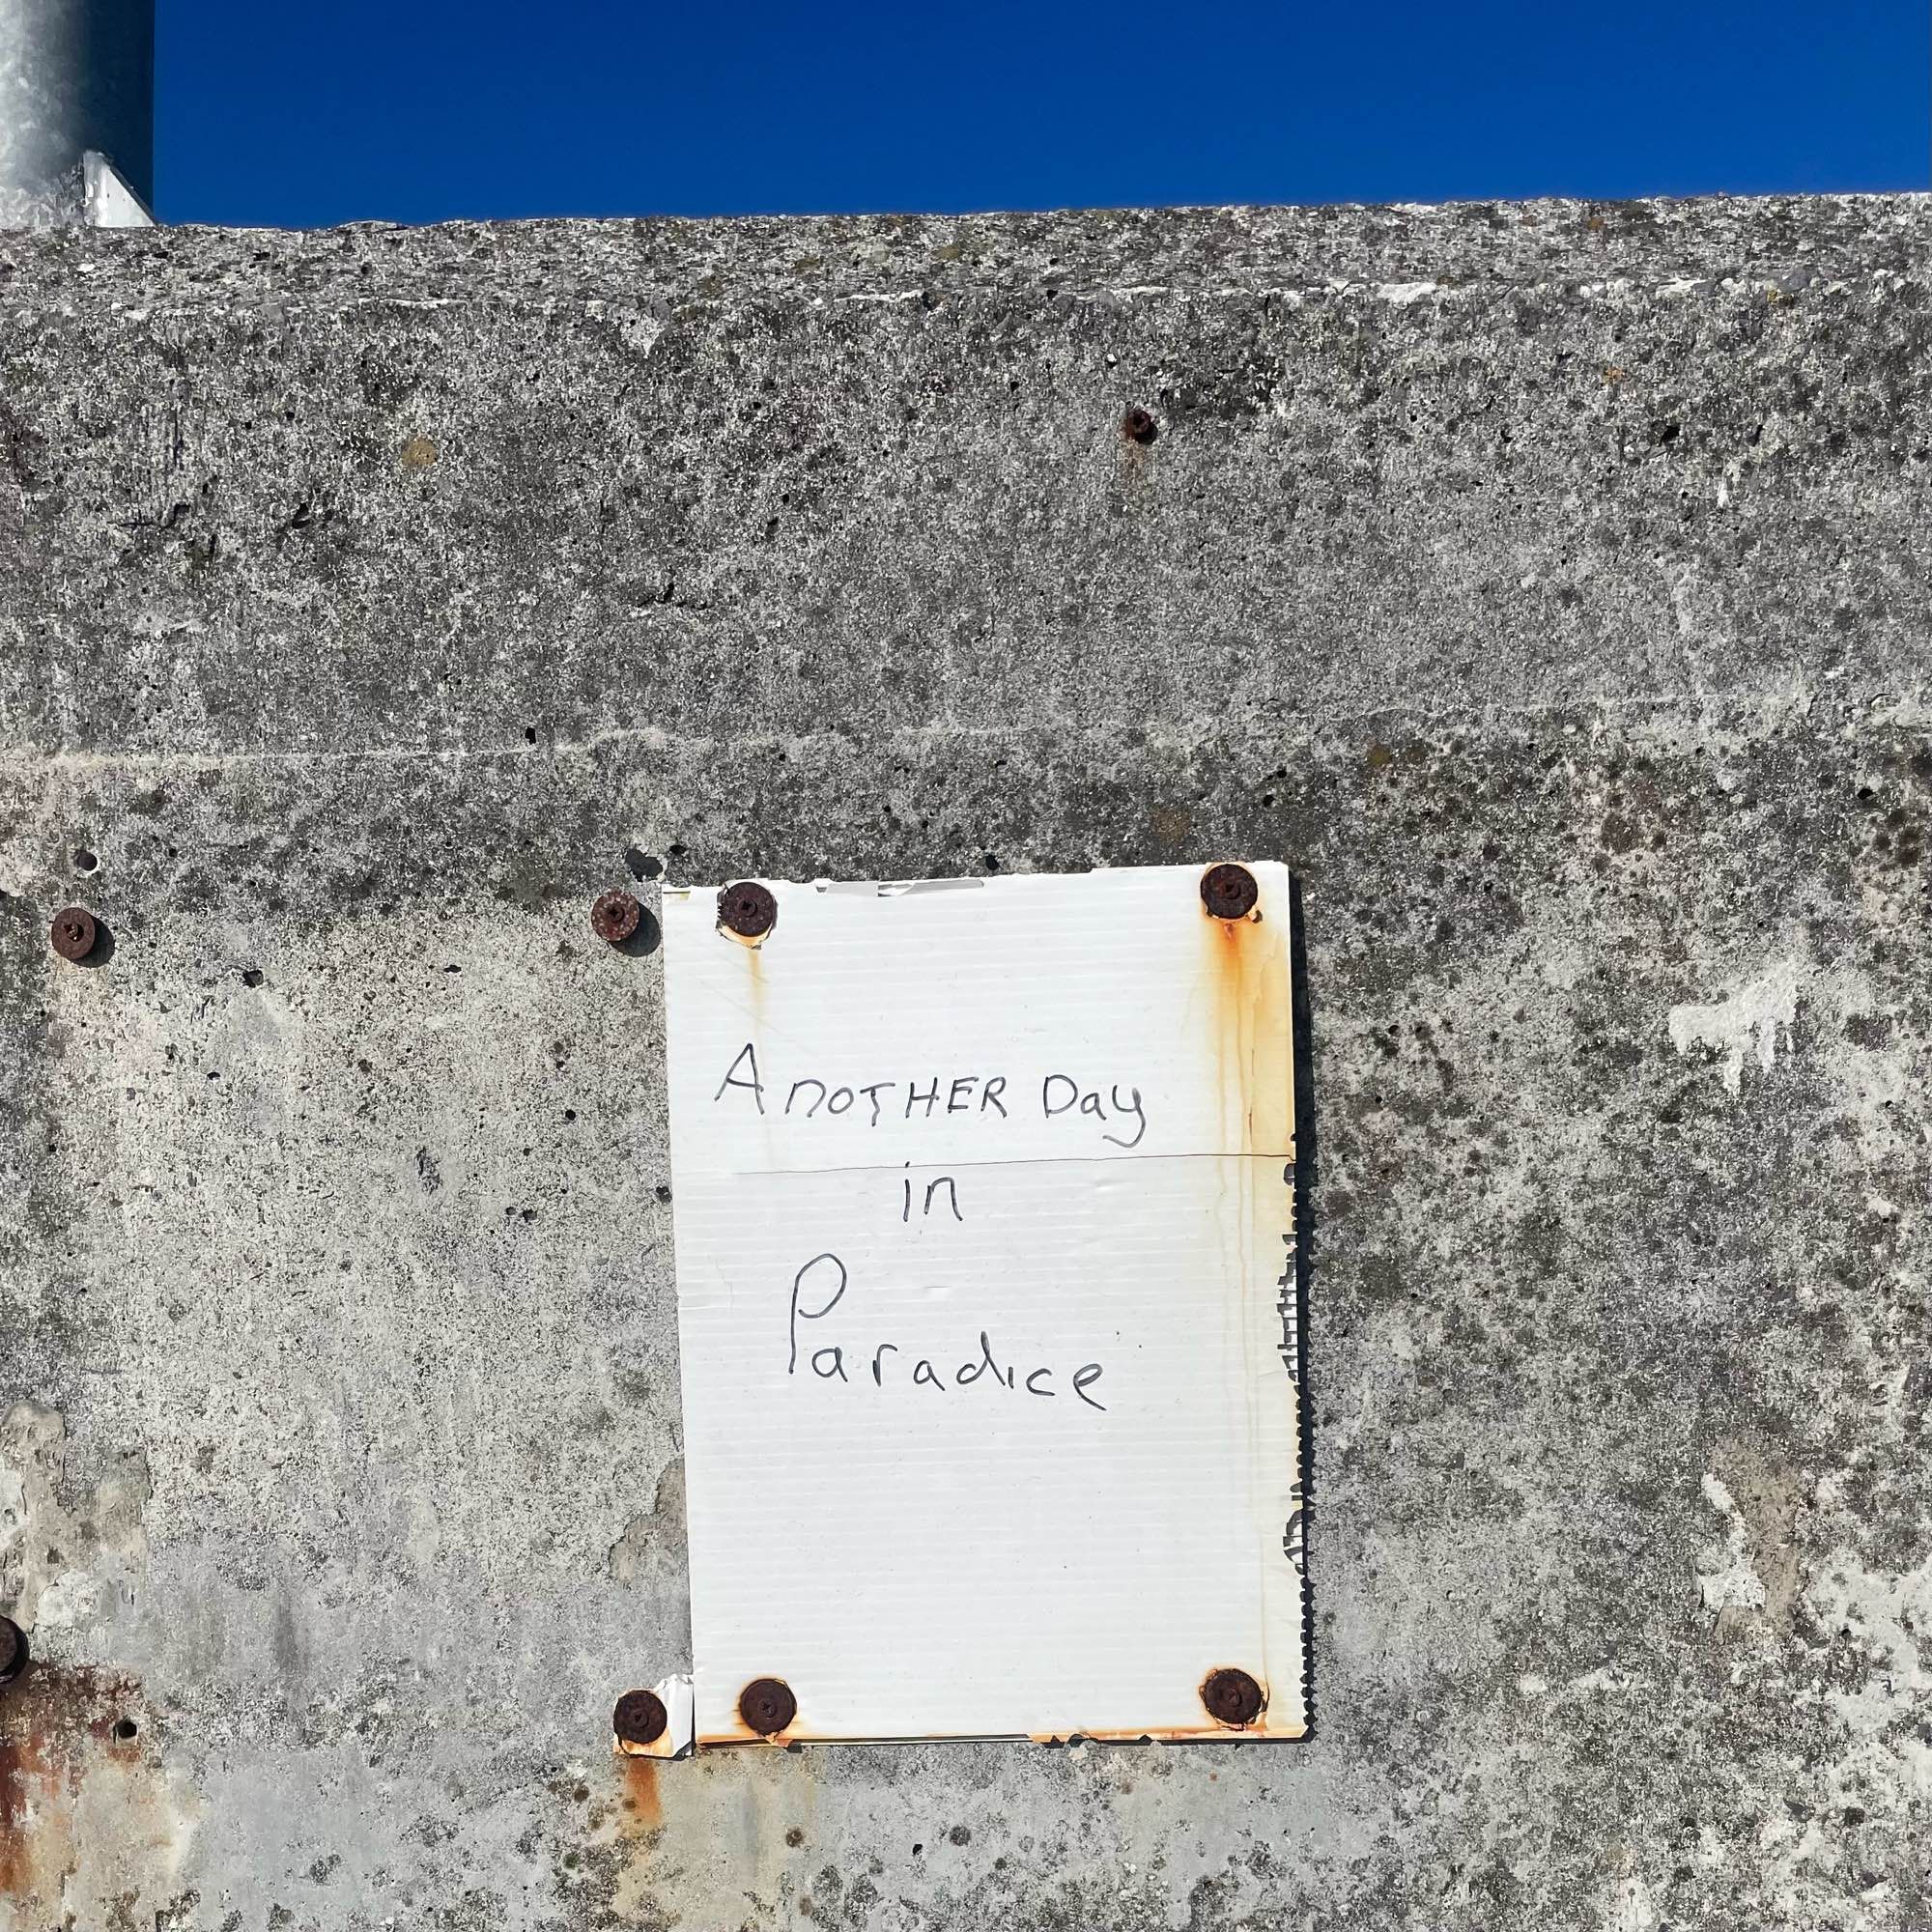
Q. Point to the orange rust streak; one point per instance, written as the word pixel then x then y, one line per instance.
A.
pixel 1247 963
pixel 1247 966
pixel 23 1780
pixel 50 1721
pixel 642 1799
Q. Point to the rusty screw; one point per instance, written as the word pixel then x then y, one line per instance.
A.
pixel 749 910
pixel 767 1705
pixel 1229 891
pixel 639 1719
pixel 1139 426
pixel 614 917
pixel 1233 1697
pixel 13 1650
pixel 74 932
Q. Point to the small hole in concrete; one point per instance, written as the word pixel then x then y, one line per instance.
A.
pixel 127 1729
pixel 84 861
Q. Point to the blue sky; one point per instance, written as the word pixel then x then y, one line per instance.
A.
pixel 417 110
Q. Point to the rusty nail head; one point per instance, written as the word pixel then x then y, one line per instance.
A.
pixel 1139 426
pixel 1233 1697
pixel 749 910
pixel 640 1718
pixel 614 917
pixel 13 1650
pixel 1229 891
pixel 74 932
pixel 767 1705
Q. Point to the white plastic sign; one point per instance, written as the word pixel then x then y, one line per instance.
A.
pixel 984 1238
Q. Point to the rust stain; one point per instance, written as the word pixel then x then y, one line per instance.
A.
pixel 1268 1723
pixel 24 1778
pixel 743 1734
pixel 86 1811
pixel 629 1831
pixel 754 987
pixel 642 1802
pixel 1245 964
pixel 1251 1037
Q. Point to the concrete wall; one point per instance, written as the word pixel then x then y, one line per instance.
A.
pixel 1548 584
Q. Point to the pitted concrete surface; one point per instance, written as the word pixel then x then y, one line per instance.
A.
pixel 1548 584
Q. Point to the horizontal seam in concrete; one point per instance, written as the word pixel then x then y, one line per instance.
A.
pixel 1705 714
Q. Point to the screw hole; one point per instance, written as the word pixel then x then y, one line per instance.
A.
pixel 126 1730
pixel 84 861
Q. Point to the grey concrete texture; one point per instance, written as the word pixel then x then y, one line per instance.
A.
pixel 1548 584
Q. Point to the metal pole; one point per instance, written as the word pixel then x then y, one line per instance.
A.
pixel 75 76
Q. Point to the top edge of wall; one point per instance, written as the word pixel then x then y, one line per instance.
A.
pixel 1406 248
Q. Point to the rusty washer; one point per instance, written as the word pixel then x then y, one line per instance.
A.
pixel 767 1705
pixel 74 932
pixel 1232 1698
pixel 749 910
pixel 13 1650
pixel 1139 426
pixel 614 917
pixel 1229 891
pixel 639 1719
